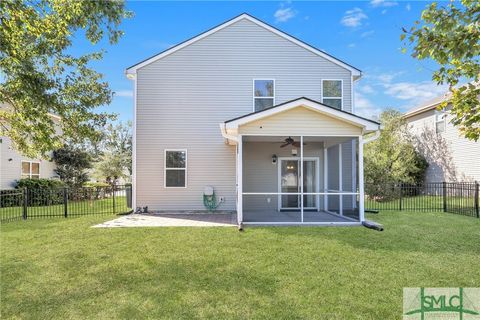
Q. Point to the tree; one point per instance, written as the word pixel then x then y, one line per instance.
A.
pixel 450 35
pixel 41 77
pixel 72 164
pixel 392 158
pixel 114 151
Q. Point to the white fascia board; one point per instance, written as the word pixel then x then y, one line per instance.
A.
pixel 337 114
pixel 132 70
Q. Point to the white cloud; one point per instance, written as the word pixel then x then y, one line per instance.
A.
pixel 353 18
pixel 383 3
pixel 366 88
pixel 124 93
pixel 284 14
pixel 365 108
pixel 408 7
pixel 351 45
pixel 414 91
pixel 367 34
pixel 384 11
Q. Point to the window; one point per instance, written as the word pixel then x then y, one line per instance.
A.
pixel 263 94
pixel 439 121
pixel 30 170
pixel 332 93
pixel 175 168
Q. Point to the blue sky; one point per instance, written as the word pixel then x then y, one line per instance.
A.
pixel 363 33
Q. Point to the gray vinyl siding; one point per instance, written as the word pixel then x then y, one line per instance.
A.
pixel 451 157
pixel 11 170
pixel 182 98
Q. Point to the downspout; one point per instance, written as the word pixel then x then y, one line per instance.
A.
pixel 227 136
pixel 372 138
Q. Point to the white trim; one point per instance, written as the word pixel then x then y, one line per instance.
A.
pixel 340 179
pixel 354 171
pixel 301 178
pixel 240 180
pixel 443 115
pixel 322 97
pixel 134 148
pixel 352 95
pixel 165 168
pixel 325 177
pixel 253 91
pixel 360 178
pixel 338 223
pixel 133 69
pixel 298 193
pixel 30 174
pixel 366 125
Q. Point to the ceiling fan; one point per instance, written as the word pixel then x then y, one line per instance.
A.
pixel 290 141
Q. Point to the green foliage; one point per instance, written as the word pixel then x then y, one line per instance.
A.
pixel 72 164
pixel 392 158
pixel 42 192
pixel 40 76
pixel 90 184
pixel 38 183
pixel 114 152
pixel 450 35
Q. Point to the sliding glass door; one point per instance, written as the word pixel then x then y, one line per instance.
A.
pixel 289 182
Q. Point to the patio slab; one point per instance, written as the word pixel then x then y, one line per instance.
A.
pixel 171 220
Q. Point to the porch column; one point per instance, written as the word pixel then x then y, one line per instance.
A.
pixel 301 177
pixel 360 178
pixel 325 177
pixel 240 179
pixel 340 178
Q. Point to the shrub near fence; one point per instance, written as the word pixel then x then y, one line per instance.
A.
pixel 453 197
pixel 63 202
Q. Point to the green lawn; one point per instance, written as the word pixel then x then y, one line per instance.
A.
pixel 63 269
pixel 75 208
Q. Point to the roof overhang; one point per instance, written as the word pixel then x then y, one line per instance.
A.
pixel 230 127
pixel 131 71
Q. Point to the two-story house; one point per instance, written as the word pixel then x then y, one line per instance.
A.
pixel 263 119
pixel 450 156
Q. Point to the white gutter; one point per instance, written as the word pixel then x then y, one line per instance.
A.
pixel 226 135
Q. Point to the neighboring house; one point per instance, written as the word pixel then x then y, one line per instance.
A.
pixel 14 166
pixel 229 109
pixel 450 156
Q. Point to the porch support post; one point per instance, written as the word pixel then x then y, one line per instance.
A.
pixel 301 178
pixel 325 177
pixel 340 178
pixel 360 179
pixel 240 180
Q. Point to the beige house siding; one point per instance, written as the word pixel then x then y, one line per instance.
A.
pixel 300 121
pixel 450 156
pixel 182 98
pixel 10 171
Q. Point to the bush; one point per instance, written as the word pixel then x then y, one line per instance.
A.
pixel 42 192
pixel 96 184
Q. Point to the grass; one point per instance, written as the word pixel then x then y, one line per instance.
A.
pixel 63 269
pixel 75 208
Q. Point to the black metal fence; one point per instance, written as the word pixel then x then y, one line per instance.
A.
pixel 453 197
pixel 25 204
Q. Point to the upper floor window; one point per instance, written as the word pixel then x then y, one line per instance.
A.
pixel 332 93
pixel 263 94
pixel 30 169
pixel 439 121
pixel 175 168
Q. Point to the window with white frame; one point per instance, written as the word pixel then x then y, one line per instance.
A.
pixel 31 170
pixel 263 94
pixel 439 121
pixel 332 93
pixel 175 168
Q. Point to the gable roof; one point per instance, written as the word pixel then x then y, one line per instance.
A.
pixel 428 105
pixel 367 124
pixel 132 69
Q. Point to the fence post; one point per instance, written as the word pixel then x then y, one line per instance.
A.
pixel 477 211
pixel 401 195
pixel 113 198
pixel 444 184
pixel 25 203
pixel 65 201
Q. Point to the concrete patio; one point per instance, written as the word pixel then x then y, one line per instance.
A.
pixel 171 220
